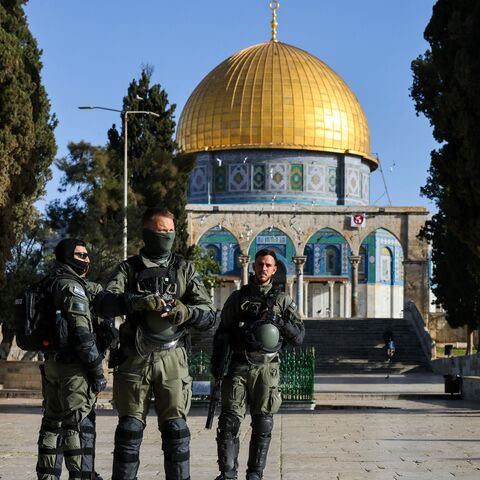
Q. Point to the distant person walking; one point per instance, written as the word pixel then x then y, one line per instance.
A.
pixel 389 349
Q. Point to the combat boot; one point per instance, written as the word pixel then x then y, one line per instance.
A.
pixel 223 477
pixel 254 476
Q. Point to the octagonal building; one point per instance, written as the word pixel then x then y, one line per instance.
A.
pixel 282 150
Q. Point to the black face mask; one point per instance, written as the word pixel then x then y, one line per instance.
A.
pixel 64 254
pixel 158 245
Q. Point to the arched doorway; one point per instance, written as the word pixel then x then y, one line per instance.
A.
pixel 380 275
pixel 326 275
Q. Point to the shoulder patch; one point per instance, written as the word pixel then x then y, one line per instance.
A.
pixel 79 307
pixel 79 291
pixel 293 306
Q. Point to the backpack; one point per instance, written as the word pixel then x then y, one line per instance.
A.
pixel 38 327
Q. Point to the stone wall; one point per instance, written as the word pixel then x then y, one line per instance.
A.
pixel 18 375
pixel 441 332
pixel 468 367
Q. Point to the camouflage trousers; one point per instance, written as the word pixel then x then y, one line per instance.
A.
pixel 68 424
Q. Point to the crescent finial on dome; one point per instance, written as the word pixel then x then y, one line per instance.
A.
pixel 274 6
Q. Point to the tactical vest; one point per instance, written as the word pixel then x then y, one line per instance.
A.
pixel 153 332
pixel 257 337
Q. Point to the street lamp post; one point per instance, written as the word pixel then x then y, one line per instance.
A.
pixel 125 162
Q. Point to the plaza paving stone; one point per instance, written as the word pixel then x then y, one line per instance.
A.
pixel 395 439
pixel 364 427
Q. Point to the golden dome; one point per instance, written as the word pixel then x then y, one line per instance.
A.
pixel 273 95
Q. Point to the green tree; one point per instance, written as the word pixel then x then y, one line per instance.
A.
pixel 445 90
pixel 27 144
pixel 206 266
pixel 156 176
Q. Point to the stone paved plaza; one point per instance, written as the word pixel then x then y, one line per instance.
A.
pixel 377 440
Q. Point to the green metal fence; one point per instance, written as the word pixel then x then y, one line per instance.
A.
pixel 297 373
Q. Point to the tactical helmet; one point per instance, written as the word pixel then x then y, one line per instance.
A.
pixel 154 334
pixel 268 335
pixel 160 325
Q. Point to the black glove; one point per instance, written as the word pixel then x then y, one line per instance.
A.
pixel 139 303
pixel 107 335
pixel 97 381
pixel 275 318
pixel 252 344
pixel 179 314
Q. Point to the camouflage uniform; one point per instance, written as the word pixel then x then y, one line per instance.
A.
pixel 162 371
pixel 68 424
pixel 250 383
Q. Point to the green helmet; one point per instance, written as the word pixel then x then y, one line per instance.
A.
pixel 268 335
pixel 160 325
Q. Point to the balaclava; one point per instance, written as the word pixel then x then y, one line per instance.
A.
pixel 158 245
pixel 64 254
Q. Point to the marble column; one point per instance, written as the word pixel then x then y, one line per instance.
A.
pixel 343 299
pixel 212 295
pixel 244 263
pixel 299 261
pixel 331 291
pixel 290 288
pixel 354 261
pixel 305 298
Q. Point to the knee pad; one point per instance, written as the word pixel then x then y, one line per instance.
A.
pixel 175 430
pixel 228 425
pixel 262 424
pixel 129 431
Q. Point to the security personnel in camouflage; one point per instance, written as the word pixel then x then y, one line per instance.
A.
pixel 257 322
pixel 163 297
pixel 73 376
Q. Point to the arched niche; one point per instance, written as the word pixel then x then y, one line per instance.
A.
pixel 381 259
pixel 327 253
pixel 221 243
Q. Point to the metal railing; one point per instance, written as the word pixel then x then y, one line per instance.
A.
pixel 297 374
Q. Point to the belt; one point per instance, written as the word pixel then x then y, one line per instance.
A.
pixel 62 357
pixel 240 357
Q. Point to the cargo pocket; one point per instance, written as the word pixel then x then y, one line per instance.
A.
pixel 274 397
pixel 187 392
pixel 126 393
pixel 234 396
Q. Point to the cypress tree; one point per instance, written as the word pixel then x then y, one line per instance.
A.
pixel 445 90
pixel 27 143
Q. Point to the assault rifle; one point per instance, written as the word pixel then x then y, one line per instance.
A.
pixel 217 387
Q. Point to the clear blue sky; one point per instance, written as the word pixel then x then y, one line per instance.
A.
pixel 93 49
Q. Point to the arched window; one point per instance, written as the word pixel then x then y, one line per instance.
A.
pixel 332 263
pixel 387 263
